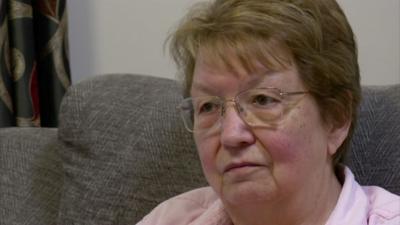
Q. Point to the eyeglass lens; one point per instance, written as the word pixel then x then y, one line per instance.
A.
pixel 257 107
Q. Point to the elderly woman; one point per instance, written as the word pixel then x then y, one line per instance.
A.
pixel 272 91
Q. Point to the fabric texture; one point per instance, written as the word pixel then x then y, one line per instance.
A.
pixel 124 149
pixel 356 205
pixel 31 176
pixel 374 155
pixel 34 64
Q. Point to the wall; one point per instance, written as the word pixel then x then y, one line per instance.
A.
pixel 127 36
pixel 377 27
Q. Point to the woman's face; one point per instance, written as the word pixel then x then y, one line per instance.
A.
pixel 280 163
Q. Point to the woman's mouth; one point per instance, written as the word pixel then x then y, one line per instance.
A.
pixel 235 166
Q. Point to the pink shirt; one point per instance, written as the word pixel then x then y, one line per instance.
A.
pixel 357 205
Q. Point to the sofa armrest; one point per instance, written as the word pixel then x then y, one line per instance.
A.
pixel 31 176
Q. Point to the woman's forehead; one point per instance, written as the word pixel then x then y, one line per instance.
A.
pixel 246 57
pixel 214 81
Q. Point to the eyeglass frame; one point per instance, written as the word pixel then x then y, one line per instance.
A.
pixel 237 106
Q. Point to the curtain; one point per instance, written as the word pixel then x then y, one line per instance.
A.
pixel 34 61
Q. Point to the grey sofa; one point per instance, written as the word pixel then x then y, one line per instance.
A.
pixel 121 149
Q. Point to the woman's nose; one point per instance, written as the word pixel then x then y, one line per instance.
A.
pixel 234 131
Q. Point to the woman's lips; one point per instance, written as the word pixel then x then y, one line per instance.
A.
pixel 234 166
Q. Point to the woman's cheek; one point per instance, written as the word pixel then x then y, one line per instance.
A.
pixel 207 150
pixel 284 147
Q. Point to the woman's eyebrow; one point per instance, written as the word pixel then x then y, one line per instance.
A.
pixel 258 78
pixel 199 87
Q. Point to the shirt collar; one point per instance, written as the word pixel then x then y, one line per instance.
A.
pixel 352 205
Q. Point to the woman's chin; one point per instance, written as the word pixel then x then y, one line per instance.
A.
pixel 248 192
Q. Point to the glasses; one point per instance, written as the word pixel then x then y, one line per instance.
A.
pixel 259 107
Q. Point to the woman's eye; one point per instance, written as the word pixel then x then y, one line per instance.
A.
pixel 264 100
pixel 207 107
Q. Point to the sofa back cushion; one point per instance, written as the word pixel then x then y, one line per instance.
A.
pixel 374 154
pixel 124 149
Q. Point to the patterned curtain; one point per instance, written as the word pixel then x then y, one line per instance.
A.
pixel 34 65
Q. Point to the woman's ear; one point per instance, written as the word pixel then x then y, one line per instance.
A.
pixel 337 135
pixel 339 128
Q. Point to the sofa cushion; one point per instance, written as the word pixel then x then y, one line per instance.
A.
pixel 124 149
pixel 374 156
pixel 31 176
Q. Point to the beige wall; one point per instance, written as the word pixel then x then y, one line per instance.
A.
pixel 109 36
pixel 376 24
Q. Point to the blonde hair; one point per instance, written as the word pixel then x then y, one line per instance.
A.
pixel 315 34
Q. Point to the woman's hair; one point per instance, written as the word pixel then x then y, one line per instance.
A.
pixel 313 35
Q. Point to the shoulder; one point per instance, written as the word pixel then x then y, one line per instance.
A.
pixel 181 209
pixel 384 207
